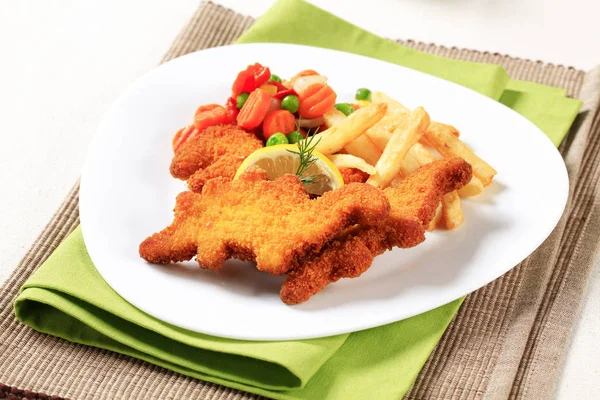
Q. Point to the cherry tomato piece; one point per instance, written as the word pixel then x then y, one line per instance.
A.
pixel 286 92
pixel 250 79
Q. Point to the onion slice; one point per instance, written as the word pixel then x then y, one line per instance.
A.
pixel 310 123
pixel 350 161
pixel 275 105
pixel 304 82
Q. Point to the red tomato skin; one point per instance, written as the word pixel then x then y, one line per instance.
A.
pixel 280 95
pixel 249 79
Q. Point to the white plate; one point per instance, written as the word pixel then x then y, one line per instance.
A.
pixel 127 193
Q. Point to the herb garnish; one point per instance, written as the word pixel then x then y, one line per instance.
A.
pixel 305 150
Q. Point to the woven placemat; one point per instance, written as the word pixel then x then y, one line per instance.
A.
pixel 507 341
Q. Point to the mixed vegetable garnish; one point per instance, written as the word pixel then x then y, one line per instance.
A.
pixel 276 110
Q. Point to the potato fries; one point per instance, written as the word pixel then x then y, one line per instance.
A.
pixel 398 108
pixel 437 218
pixel 416 157
pixel 362 147
pixel 404 137
pixel 350 161
pixel 449 145
pixel 452 213
pixel 347 130
pixel 410 163
pixel 395 144
pixel 444 138
pixel 473 188
pixel 333 117
pixel 393 105
pixel 380 133
pixel 422 155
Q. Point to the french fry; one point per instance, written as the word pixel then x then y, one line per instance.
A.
pixel 452 214
pixel 393 105
pixel 350 161
pixel 449 145
pixel 380 133
pixel 398 108
pixel 410 163
pixel 403 138
pixel 422 155
pixel 362 147
pixel 333 117
pixel 445 127
pixel 444 138
pixel 416 157
pixel 347 130
pixel 436 218
pixel 473 188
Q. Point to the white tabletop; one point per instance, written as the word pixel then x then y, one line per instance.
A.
pixel 65 62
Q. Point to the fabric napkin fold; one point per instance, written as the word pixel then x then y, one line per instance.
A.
pixel 67 297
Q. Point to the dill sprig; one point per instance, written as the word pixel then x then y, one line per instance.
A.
pixel 305 150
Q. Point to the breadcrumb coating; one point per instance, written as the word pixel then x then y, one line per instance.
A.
pixel 217 151
pixel 274 223
pixel 351 253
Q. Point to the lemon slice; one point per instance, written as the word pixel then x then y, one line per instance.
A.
pixel 279 160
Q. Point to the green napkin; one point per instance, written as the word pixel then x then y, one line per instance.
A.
pixel 67 297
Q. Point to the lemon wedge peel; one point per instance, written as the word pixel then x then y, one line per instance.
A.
pixel 279 160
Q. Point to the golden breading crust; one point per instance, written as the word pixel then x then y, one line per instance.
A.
pixel 353 175
pixel 218 151
pixel 413 205
pixel 271 222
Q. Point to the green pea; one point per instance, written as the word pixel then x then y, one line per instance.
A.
pixel 277 138
pixel 275 78
pixel 241 99
pixel 346 108
pixel 363 94
pixel 290 103
pixel 294 137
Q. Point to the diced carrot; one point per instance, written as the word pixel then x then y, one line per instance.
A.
pixel 316 100
pixel 278 121
pixel 209 115
pixel 307 72
pixel 182 135
pixel 254 110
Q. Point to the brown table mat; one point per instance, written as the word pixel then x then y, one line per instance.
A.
pixel 507 341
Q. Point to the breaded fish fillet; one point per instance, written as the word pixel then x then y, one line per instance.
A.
pixel 413 205
pixel 215 152
pixel 271 222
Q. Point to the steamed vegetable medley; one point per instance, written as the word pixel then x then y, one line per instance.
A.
pixel 279 111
